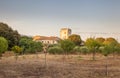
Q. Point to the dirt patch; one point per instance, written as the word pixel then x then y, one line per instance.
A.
pixel 31 66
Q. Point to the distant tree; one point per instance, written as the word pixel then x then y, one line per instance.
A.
pixel 92 45
pixel 30 46
pixel 106 50
pixel 17 50
pixel 75 38
pixel 3 45
pixel 112 43
pixel 11 35
pixel 84 50
pixel 24 43
pixel 100 40
pixel 67 45
pixel 55 50
pixel 117 49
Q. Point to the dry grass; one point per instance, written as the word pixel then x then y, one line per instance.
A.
pixel 58 66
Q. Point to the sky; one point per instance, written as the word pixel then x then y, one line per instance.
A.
pixel 47 17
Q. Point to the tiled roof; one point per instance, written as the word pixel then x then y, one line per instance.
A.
pixel 45 38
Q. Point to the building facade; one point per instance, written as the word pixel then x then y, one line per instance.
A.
pixel 65 33
pixel 46 40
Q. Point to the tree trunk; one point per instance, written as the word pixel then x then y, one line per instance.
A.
pixel 94 54
pixel 45 59
pixel 106 67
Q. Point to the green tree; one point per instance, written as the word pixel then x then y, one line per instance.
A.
pixel 11 35
pixel 17 50
pixel 92 45
pixel 29 45
pixel 75 38
pixel 112 43
pixel 100 40
pixel 24 43
pixel 3 45
pixel 106 50
pixel 55 50
pixel 67 45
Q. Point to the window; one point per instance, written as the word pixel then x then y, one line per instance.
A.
pixel 47 41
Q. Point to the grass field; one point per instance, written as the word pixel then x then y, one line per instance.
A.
pixel 59 66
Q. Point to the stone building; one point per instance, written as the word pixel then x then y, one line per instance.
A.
pixel 65 33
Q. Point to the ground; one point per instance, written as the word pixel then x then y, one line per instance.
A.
pixel 59 66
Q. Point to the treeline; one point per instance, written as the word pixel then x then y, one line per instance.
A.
pixel 11 40
pixel 74 45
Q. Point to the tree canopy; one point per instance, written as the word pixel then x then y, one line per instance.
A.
pixel 75 38
pixel 92 45
pixel 11 35
pixel 3 45
pixel 30 46
pixel 67 45
pixel 100 40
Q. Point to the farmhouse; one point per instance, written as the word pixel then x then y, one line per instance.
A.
pixel 46 40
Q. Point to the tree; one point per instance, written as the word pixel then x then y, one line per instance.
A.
pixel 67 45
pixel 24 43
pixel 11 35
pixel 75 38
pixel 3 45
pixel 100 40
pixel 112 43
pixel 17 50
pixel 106 50
pixel 30 46
pixel 92 45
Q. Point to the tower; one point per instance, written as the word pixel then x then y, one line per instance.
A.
pixel 65 33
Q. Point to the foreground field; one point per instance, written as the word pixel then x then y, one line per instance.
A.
pixel 57 66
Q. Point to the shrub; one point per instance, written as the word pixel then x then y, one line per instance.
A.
pixel 3 45
pixel 84 49
pixel 67 46
pixel 17 49
pixel 77 49
pixel 55 50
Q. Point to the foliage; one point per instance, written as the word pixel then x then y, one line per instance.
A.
pixel 84 49
pixel 17 49
pixel 111 44
pixel 67 45
pixel 55 50
pixel 75 38
pixel 3 45
pixel 34 47
pixel 11 35
pixel 110 41
pixel 117 48
pixel 30 46
pixel 106 50
pixel 77 49
pixel 100 40
pixel 92 45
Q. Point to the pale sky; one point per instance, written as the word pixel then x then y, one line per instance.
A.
pixel 47 17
